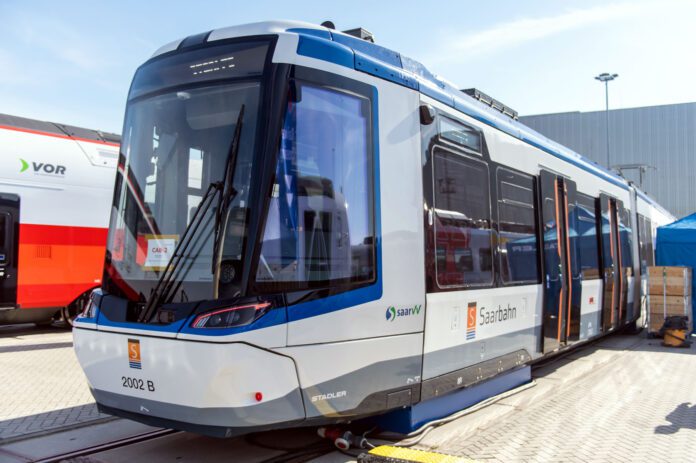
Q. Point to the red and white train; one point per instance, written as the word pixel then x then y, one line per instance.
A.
pixel 56 185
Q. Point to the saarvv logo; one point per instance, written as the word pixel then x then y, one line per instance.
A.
pixel 393 313
pixel 134 354
pixel 42 168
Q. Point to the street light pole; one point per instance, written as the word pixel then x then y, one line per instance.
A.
pixel 606 78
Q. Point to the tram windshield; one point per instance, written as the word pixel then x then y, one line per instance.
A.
pixel 176 142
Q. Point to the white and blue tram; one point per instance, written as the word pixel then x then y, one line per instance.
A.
pixel 308 227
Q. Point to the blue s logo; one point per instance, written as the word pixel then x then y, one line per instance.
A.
pixel 391 313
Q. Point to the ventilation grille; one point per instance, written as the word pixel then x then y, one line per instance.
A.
pixel 43 251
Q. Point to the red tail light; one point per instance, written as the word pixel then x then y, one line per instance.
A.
pixel 231 316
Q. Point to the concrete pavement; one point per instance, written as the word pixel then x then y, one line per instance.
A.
pixel 42 387
pixel 624 399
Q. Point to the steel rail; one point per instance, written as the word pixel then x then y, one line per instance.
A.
pixel 124 442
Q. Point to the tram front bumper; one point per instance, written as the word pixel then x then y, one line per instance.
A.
pixel 220 389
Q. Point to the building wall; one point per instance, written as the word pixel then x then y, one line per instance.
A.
pixel 661 136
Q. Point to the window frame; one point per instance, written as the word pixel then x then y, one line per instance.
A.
pixel 645 245
pixel 598 237
pixel 7 245
pixel 535 214
pixel 629 236
pixel 364 92
pixel 641 242
pixel 448 141
pixel 466 157
pixel 649 243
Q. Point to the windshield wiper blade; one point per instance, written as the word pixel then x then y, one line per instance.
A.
pixel 228 194
pixel 163 287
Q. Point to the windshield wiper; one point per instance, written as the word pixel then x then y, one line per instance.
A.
pixel 228 194
pixel 162 289
pixel 167 284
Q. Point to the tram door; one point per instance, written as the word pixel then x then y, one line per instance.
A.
pixel 562 281
pixel 9 241
pixel 615 287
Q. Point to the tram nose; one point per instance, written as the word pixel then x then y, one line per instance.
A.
pixel 219 388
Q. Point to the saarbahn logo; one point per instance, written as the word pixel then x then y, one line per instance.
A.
pixel 471 321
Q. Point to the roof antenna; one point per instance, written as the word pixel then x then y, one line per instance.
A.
pixel 329 25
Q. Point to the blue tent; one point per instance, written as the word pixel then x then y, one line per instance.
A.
pixel 676 245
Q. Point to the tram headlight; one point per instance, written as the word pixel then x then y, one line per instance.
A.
pixel 231 316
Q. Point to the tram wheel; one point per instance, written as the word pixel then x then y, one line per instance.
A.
pixel 68 314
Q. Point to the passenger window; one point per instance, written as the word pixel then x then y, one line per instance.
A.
pixel 586 242
pixel 4 228
pixel 626 240
pixel 460 134
pixel 607 246
pixel 517 243
pixel 320 225
pixel 649 252
pixel 645 243
pixel 641 243
pixel 5 223
pixel 463 237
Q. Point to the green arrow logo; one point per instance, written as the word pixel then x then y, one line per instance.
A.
pixel 25 165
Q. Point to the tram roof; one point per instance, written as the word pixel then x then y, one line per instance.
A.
pixel 337 47
pixel 63 130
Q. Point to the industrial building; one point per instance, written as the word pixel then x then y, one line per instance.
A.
pixel 654 146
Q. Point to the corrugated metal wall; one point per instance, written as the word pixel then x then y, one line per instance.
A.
pixel 660 136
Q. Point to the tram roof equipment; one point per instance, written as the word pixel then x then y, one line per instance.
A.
pixel 347 50
pixel 477 94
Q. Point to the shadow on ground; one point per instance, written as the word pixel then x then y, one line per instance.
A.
pixel 28 347
pixel 682 417
pixel 30 329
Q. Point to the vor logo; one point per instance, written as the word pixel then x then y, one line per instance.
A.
pixel 393 313
pixel 134 354
pixel 42 168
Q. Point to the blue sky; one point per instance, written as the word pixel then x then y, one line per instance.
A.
pixel 72 61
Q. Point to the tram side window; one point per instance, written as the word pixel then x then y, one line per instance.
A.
pixel 4 228
pixel 586 236
pixel 320 226
pixel 463 237
pixel 645 243
pixel 626 240
pixel 607 241
pixel 517 242
pixel 5 222
pixel 649 252
pixel 641 244
pixel 460 134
